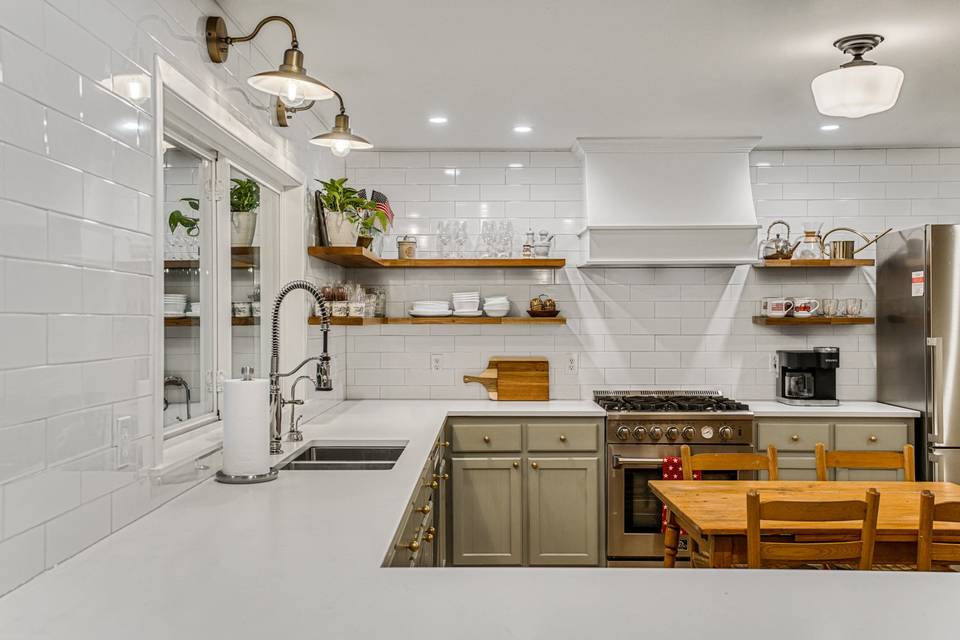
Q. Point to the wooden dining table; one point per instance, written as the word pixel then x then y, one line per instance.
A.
pixel 714 516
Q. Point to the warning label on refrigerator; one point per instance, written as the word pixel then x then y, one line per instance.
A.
pixel 916 283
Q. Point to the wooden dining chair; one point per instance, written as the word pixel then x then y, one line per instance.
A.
pixel 932 554
pixel 764 553
pixel 728 462
pixel 827 460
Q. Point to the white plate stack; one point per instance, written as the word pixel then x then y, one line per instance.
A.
pixel 496 306
pixel 467 304
pixel 174 304
pixel 430 309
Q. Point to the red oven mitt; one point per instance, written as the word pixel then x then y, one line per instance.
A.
pixel 673 470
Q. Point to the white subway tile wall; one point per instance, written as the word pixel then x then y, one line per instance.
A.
pixel 663 327
pixel 76 260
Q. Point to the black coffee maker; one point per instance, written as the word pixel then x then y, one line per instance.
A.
pixel 808 378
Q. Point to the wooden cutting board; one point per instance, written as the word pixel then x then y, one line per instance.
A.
pixel 515 378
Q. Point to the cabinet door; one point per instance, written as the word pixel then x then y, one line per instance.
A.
pixel 794 467
pixel 487 511
pixel 563 505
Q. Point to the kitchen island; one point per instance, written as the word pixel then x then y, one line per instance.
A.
pixel 302 555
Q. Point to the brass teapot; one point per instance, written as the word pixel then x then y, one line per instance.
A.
pixel 776 248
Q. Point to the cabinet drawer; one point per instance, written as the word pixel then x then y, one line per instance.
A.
pixel 481 437
pixel 792 436
pixel 794 467
pixel 559 436
pixel 871 436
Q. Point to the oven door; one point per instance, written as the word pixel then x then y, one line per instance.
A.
pixel 634 514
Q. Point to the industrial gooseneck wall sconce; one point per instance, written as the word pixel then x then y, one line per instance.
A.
pixel 294 89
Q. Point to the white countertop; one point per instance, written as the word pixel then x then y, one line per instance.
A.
pixel 774 409
pixel 301 557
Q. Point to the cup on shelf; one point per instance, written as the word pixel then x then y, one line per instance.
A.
pixel 830 307
pixel 854 307
pixel 241 309
pixel 805 307
pixel 779 307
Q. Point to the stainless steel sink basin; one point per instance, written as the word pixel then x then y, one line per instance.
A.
pixel 344 458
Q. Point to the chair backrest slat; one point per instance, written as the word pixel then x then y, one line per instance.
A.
pixel 929 551
pixel 761 552
pixel 904 459
pixel 728 462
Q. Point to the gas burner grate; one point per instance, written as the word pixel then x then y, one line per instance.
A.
pixel 666 401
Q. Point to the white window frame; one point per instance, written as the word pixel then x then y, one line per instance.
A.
pixel 199 115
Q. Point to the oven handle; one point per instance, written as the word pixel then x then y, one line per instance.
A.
pixel 624 461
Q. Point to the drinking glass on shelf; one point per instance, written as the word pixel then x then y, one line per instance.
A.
pixel 830 307
pixel 854 306
pixel 486 243
pixel 443 238
pixel 460 238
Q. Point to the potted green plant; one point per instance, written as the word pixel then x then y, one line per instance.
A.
pixel 344 210
pixel 368 226
pixel 244 202
pixel 179 219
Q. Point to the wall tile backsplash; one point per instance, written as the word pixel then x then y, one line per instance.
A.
pixel 663 327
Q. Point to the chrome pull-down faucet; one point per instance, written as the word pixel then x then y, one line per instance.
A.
pixel 323 380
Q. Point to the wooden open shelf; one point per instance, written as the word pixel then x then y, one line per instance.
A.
pixel 242 258
pixel 358 257
pixel 804 264
pixel 818 320
pixel 192 322
pixel 357 321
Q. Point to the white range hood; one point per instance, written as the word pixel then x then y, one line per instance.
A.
pixel 667 201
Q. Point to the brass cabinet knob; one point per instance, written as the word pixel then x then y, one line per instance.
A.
pixel 445 443
pixel 795 437
pixel 428 537
pixel 441 476
pixel 432 485
pixel 534 465
pixel 424 509
pixel 872 438
pixel 563 438
pixel 431 530
pixel 516 465
pixel 413 546
pixel 486 439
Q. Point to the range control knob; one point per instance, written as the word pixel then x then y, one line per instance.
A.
pixel 672 433
pixel 688 433
pixel 639 433
pixel 623 432
pixel 726 432
pixel 655 433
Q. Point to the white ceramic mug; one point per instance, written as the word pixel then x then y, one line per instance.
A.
pixel 779 307
pixel 805 307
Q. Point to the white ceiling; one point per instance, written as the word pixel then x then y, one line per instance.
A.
pixel 572 68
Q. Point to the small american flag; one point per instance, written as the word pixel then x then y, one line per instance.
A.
pixel 383 204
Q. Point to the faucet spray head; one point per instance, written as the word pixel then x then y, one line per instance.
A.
pixel 324 375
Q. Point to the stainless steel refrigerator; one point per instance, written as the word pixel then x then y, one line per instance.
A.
pixel 918 339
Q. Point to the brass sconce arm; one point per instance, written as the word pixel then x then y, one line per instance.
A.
pixel 293 32
pixel 219 41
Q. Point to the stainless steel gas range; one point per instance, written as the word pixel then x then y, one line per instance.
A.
pixel 643 428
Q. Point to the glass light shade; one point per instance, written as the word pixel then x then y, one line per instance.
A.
pixel 290 87
pixel 857 91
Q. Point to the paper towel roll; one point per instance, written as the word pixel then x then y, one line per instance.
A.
pixel 246 427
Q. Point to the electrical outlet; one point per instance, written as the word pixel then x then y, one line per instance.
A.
pixel 436 362
pixel 571 363
pixel 774 365
pixel 126 450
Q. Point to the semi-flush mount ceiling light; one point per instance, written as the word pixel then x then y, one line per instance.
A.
pixel 289 82
pixel 859 87
pixel 340 140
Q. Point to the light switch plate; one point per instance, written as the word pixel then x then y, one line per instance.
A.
pixel 126 450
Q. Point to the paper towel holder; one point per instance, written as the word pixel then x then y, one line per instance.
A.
pixel 246 375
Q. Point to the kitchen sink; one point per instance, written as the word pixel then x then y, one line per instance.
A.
pixel 344 458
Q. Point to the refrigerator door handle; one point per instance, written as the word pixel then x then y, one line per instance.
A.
pixel 937 383
pixel 934 458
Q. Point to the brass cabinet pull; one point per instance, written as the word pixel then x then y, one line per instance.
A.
pixel 441 476
pixel 424 509
pixel 432 485
pixel 432 530
pixel 563 438
pixel 795 437
pixel 872 438
pixel 534 465
pixel 427 537
pixel 486 439
pixel 516 465
pixel 445 443
pixel 413 546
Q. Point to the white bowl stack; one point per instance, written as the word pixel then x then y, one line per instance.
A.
pixel 467 304
pixel 430 308
pixel 496 306
pixel 174 304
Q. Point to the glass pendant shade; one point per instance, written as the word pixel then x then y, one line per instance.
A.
pixel 857 91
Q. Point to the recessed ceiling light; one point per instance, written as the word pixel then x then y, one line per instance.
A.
pixel 515 165
pixel 522 128
pixel 829 127
pixel 438 120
